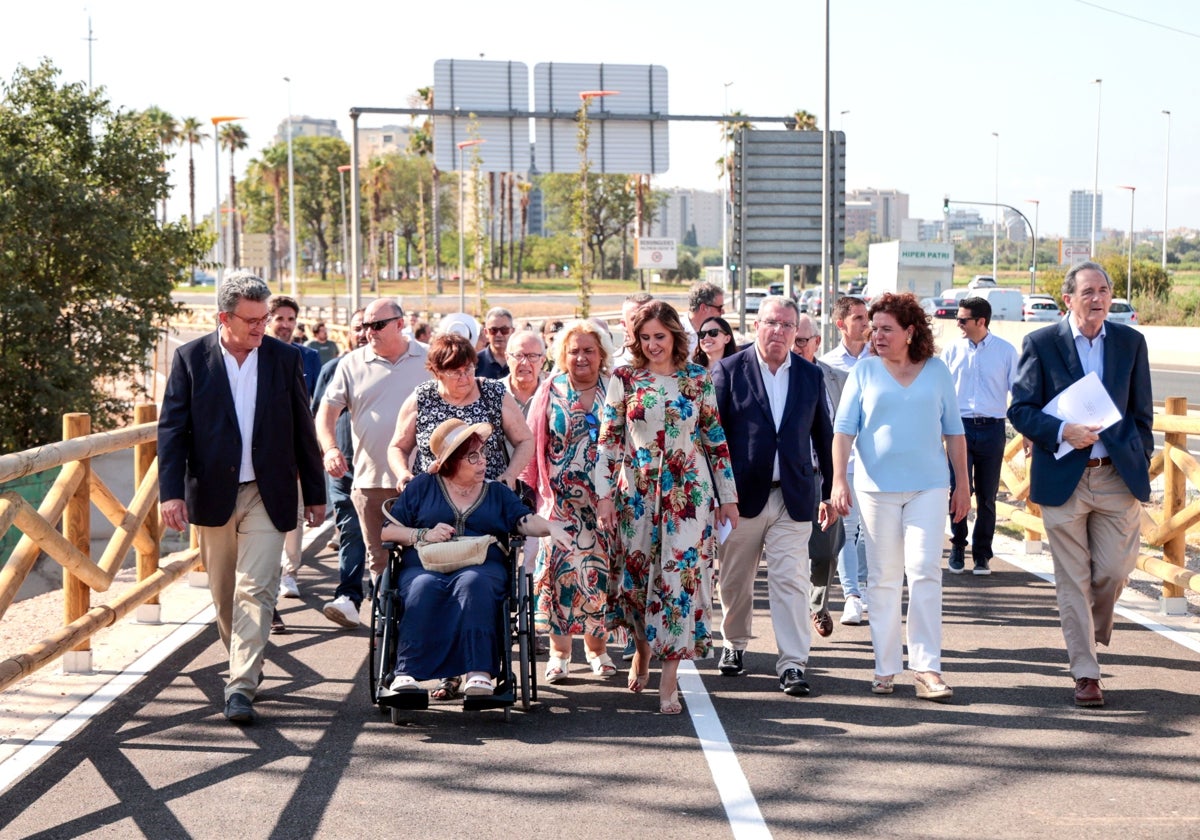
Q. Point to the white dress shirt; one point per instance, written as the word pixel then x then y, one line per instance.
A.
pixel 776 385
pixel 243 383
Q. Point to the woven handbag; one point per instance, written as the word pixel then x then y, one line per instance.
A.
pixel 454 554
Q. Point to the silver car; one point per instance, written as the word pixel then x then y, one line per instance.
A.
pixel 1040 309
pixel 1122 312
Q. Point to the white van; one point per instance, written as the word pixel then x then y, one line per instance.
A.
pixel 1007 304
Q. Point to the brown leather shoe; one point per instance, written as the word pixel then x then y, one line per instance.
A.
pixel 1088 692
pixel 823 624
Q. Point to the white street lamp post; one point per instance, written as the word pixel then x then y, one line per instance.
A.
pixel 291 194
pixel 1096 177
pixel 1166 183
pixel 724 196
pixel 216 121
pixel 1037 206
pixel 1129 269
pixel 995 215
pixel 342 170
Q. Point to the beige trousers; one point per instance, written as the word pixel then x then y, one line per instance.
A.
pixel 1094 540
pixel 368 501
pixel 242 559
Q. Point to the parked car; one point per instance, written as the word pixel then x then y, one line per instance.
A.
pixel 943 307
pixel 806 300
pixel 982 281
pixel 857 285
pixel 1040 309
pixel 754 298
pixel 1007 303
pixel 1122 312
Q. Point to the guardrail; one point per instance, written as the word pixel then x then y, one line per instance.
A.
pixel 1166 528
pixel 68 502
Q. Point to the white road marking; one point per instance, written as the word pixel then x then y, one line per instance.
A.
pixel 741 807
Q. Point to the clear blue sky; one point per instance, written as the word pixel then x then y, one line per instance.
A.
pixel 925 83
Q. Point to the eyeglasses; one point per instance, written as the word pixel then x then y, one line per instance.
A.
pixel 593 426
pixel 473 457
pixel 525 357
pixel 380 324
pixel 802 340
pixel 498 330
pixel 461 373
pixel 962 321
pixel 252 322
pixel 713 333
pixel 772 324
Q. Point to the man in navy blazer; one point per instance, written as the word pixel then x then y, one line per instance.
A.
pixel 1091 497
pixel 234 435
pixel 773 409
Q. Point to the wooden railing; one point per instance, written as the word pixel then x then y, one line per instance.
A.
pixel 1166 528
pixel 68 502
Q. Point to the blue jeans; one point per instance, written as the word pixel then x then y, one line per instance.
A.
pixel 985 457
pixel 852 559
pixel 352 553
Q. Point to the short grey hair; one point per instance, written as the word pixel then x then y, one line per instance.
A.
pixel 805 318
pixel 1068 286
pixel 238 286
pixel 780 300
pixel 498 312
pixel 703 294
pixel 580 327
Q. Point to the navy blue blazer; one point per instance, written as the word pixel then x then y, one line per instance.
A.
pixel 753 440
pixel 200 447
pixel 1049 364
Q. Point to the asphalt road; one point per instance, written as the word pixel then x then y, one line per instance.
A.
pixel 1009 756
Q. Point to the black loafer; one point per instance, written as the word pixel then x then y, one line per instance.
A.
pixel 238 709
pixel 731 662
pixel 793 684
pixel 278 628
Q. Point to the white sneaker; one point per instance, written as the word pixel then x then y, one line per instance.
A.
pixel 852 612
pixel 288 587
pixel 341 610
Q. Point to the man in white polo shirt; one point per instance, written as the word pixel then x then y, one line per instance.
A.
pixel 371 383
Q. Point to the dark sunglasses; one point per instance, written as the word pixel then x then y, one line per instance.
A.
pixel 713 333
pixel 593 426
pixel 962 321
pixel 499 330
pixel 378 325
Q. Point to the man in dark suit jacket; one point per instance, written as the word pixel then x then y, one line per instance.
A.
pixel 234 436
pixel 772 406
pixel 493 359
pixel 1091 497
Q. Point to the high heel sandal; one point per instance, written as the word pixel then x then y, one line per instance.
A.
pixel 670 705
pixel 930 686
pixel 883 685
pixel 602 664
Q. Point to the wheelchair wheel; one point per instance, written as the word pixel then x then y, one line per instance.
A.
pixel 382 634
pixel 526 644
pixel 373 655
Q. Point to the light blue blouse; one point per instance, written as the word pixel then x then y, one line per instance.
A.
pixel 899 429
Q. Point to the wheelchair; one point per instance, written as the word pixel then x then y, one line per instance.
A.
pixel 516 676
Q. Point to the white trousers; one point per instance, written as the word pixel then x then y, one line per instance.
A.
pixel 905 532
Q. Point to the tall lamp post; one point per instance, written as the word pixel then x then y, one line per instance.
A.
pixel 724 196
pixel 1096 176
pixel 342 170
pixel 1129 270
pixel 1166 183
pixel 462 288
pixel 1037 206
pixel 216 121
pixel 996 214
pixel 291 194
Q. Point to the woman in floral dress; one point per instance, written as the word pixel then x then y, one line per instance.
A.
pixel 662 450
pixel 571 583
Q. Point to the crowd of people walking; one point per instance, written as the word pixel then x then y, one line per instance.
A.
pixel 657 473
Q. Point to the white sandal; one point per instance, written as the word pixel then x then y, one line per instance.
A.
pixel 479 685
pixel 602 665
pixel 556 669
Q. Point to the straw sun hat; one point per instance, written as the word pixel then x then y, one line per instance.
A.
pixel 450 435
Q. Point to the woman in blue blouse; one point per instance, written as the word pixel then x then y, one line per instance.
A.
pixel 900 413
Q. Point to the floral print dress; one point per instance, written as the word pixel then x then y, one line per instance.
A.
pixel 659 437
pixel 571 584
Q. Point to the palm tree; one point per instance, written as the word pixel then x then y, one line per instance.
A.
pixel 190 133
pixel 420 143
pixel 234 138
pixel 166 130
pixel 271 170
pixel 802 121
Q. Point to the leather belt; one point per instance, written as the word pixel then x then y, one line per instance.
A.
pixel 1099 462
pixel 982 421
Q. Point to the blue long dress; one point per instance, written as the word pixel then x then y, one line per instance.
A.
pixel 451 622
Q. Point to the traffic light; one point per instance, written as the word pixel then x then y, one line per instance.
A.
pixel 946 206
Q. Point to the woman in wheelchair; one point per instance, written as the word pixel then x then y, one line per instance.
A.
pixel 452 586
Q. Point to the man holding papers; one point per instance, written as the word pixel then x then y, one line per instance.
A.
pixel 1091 496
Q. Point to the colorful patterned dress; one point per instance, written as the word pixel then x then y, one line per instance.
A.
pixel 658 438
pixel 571 585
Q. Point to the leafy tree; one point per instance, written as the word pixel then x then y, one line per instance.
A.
pixel 86 271
pixel 318 201
pixel 166 131
pixel 266 176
